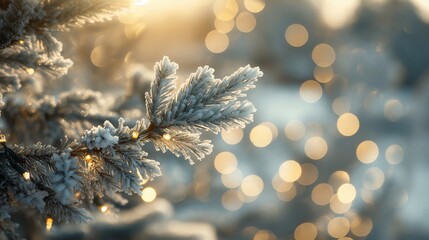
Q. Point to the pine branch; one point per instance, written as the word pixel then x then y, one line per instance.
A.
pixel 204 102
pixel 14 20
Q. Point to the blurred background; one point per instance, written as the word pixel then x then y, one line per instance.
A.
pixel 338 147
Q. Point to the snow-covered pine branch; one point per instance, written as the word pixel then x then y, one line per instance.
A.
pixel 201 103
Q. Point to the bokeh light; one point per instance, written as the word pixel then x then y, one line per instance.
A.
pixel 280 185
pixel 309 174
pixel 254 6
pixel 225 162
pixel 245 22
pixel 305 231
pixel 296 35
pixel 231 201
pixel 225 9
pixel 322 194
pixel 394 154
pixel 323 74
pixel 338 178
pixel 295 130
pixel 393 110
pixel 316 148
pixel 367 151
pixel 346 193
pixel 252 185
pixel 233 179
pixel 348 124
pixel 290 171
pixel 361 227
pixel 261 136
pixel 373 178
pixel 337 206
pixel 323 55
pixel 340 105
pixel 149 194
pixel 310 91
pixel 232 137
pixel 338 227
pixel 217 42
pixel 224 26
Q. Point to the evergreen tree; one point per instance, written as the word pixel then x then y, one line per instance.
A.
pixel 60 179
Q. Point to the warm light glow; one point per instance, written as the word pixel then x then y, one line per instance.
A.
pixel 361 227
pixel 288 195
pixel 252 185
pixel 261 136
pixel 245 22
pixel 310 91
pixel 348 124
pixel 26 175
pixel 290 171
pixel 338 178
pixel 233 179
pixel 217 42
pixel 337 206
pixel 367 151
pixel 2 138
pixel 316 148
pixel 254 6
pixel 393 110
pixel 338 227
pixel 296 35
pixel 305 231
pixel 341 105
pixel 30 71
pixel 422 8
pixel 232 137
pixel 88 157
pixel 337 13
pixel 322 194
pixel 264 235
pixel 167 137
pixel 225 9
pixel 323 74
pixel 394 154
pixel 280 185
pixel 135 135
pixel 295 130
pixel 346 193
pixel 224 26
pixel 231 200
pixel 99 57
pixel 373 178
pixel 49 222
pixel 148 194
pixel 140 3
pixel 323 55
pixel 309 174
pixel 225 162
pixel 103 208
pixel 21 42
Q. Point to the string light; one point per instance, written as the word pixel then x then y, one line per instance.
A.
pixel 49 222
pixel 135 135
pixel 2 138
pixel 88 157
pixel 103 208
pixel 21 42
pixel 26 175
pixel 167 137
pixel 30 71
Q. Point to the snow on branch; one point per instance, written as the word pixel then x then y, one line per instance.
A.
pixel 110 159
